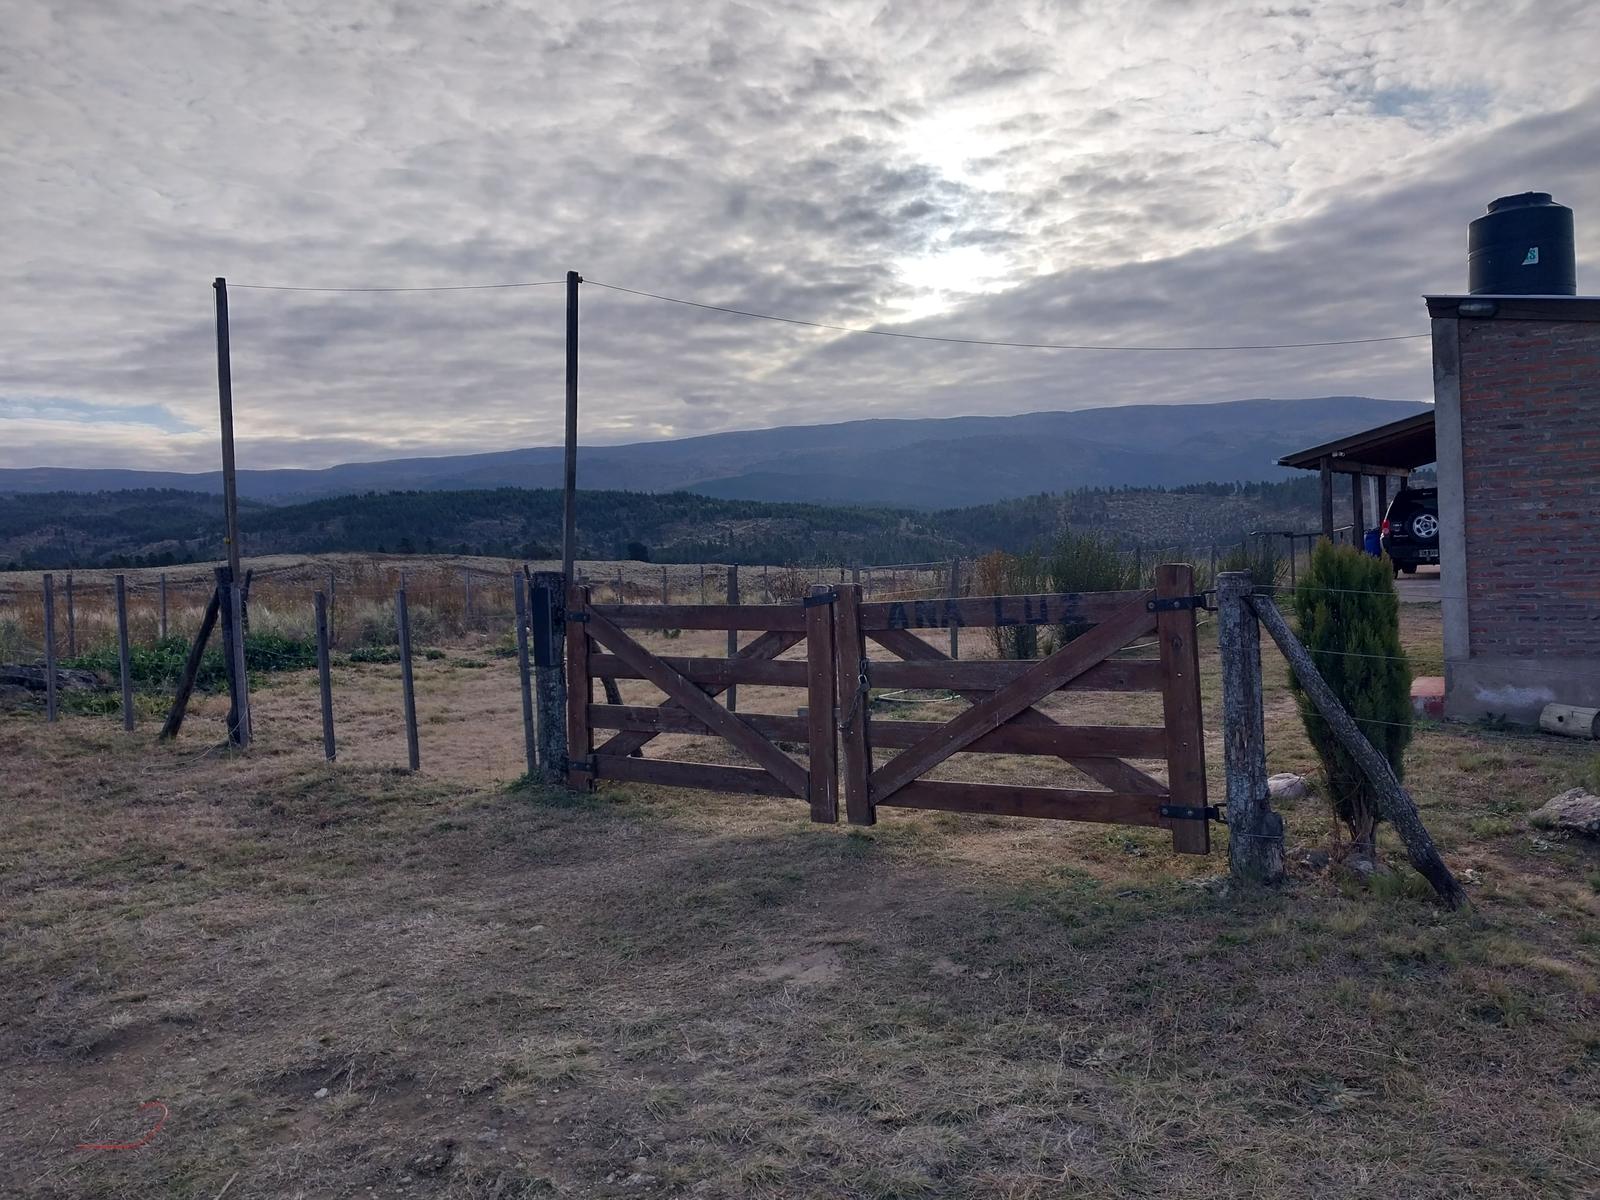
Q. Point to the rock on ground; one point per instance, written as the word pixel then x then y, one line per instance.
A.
pixel 1287 786
pixel 1574 811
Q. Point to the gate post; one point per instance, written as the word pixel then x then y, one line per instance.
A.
pixel 1255 832
pixel 580 692
pixel 549 674
pixel 850 646
pixel 1180 703
pixel 822 766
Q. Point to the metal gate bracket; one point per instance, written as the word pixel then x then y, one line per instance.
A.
pixel 1190 812
pixel 1175 604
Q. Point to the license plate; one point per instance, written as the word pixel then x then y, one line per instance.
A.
pixel 1428 555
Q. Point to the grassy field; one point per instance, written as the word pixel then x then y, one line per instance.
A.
pixel 348 980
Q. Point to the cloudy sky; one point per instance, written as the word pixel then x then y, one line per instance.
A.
pixel 1103 172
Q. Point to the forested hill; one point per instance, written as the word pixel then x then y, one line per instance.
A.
pixel 158 527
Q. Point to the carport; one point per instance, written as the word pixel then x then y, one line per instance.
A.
pixel 1383 453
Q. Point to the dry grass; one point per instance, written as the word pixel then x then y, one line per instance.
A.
pixel 518 993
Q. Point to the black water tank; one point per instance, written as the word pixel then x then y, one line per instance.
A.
pixel 1522 247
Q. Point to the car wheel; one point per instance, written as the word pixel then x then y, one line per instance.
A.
pixel 1411 570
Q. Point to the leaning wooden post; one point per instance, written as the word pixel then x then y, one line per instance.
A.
pixel 163 606
pixel 851 672
pixel 123 663
pixel 1396 803
pixel 1255 832
pixel 549 674
pixel 72 621
pixel 520 599
pixel 954 593
pixel 408 690
pixel 191 668
pixel 50 645
pixel 733 634
pixel 325 676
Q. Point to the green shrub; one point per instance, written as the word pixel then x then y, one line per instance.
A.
pixel 1261 557
pixel 156 666
pixel 1086 562
pixel 1348 617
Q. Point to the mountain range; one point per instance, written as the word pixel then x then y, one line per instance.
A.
pixel 926 463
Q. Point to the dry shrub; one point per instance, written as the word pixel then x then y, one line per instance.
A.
pixel 1002 574
pixel 788 585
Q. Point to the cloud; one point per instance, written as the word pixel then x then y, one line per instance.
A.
pixel 1095 172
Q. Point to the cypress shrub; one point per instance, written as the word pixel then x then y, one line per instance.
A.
pixel 1348 617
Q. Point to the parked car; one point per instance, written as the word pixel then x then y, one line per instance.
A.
pixel 1410 531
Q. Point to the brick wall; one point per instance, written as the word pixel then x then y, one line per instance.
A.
pixel 1530 467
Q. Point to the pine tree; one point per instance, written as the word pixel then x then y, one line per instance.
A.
pixel 1348 615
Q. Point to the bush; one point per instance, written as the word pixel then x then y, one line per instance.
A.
pixel 1261 558
pixel 1086 562
pixel 1002 574
pixel 377 624
pixel 788 586
pixel 156 666
pixel 1348 617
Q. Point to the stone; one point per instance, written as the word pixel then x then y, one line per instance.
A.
pixel 1288 786
pixel 68 679
pixel 1312 860
pixel 1573 811
pixel 431 1162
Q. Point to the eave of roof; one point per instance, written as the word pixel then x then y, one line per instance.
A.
pixel 1408 443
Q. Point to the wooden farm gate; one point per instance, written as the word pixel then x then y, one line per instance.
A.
pixel 598 646
pixel 839 730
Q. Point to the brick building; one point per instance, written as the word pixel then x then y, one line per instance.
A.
pixel 1517 431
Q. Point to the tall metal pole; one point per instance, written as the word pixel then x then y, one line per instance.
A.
pixel 233 654
pixel 569 513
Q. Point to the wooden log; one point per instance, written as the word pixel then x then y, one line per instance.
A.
pixel 707 777
pixel 1180 705
pixel 580 743
pixel 50 704
pixel 408 691
pixel 1006 800
pixel 191 668
pixel 525 679
pixel 732 695
pixel 704 616
pixel 72 621
pixel 1397 806
pixel 1255 832
pixel 854 688
pixel 1115 774
pixel 550 681
pixel 325 676
pixel 124 659
pixel 820 699
pixel 984 612
pixel 721 722
pixel 1037 681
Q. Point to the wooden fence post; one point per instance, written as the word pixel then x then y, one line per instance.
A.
pixel 955 592
pixel 333 630
pixel 520 598
pixel 163 606
pixel 191 668
pixel 619 585
pixel 325 676
pixel 50 644
pixel 407 684
pixel 550 678
pixel 821 701
pixel 702 583
pixel 1398 808
pixel 850 648
pixel 1255 832
pixel 665 599
pixel 766 587
pixel 580 744
pixel 733 634
pixel 72 621
pixel 123 663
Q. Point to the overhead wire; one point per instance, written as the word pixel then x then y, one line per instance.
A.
pixel 458 287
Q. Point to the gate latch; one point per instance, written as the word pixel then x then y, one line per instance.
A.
pixel 1175 604
pixel 1190 812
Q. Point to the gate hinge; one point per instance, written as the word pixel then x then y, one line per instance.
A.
pixel 581 618
pixel 1177 604
pixel 1190 812
pixel 589 766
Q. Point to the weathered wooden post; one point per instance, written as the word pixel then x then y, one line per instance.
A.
pixel 549 674
pixel 850 647
pixel 766 587
pixel 191 668
pixel 325 676
pixel 1255 832
pixel 520 597
pixel 702 583
pixel 50 645
pixel 619 585
pixel 580 743
pixel 123 662
pixel 733 634
pixel 821 705
pixel 232 603
pixel 163 606
pixel 72 621
pixel 954 593
pixel 408 691
pixel 664 597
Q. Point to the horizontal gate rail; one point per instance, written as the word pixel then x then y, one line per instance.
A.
pixel 1048 608
pixel 787 617
pixel 1128 675
pixel 1052 803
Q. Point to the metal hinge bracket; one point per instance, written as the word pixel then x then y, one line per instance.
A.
pixel 1176 604
pixel 1190 812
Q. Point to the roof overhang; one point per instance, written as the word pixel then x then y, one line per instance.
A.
pixel 1397 448
pixel 1516 308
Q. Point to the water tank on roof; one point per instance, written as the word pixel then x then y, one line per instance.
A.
pixel 1522 247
